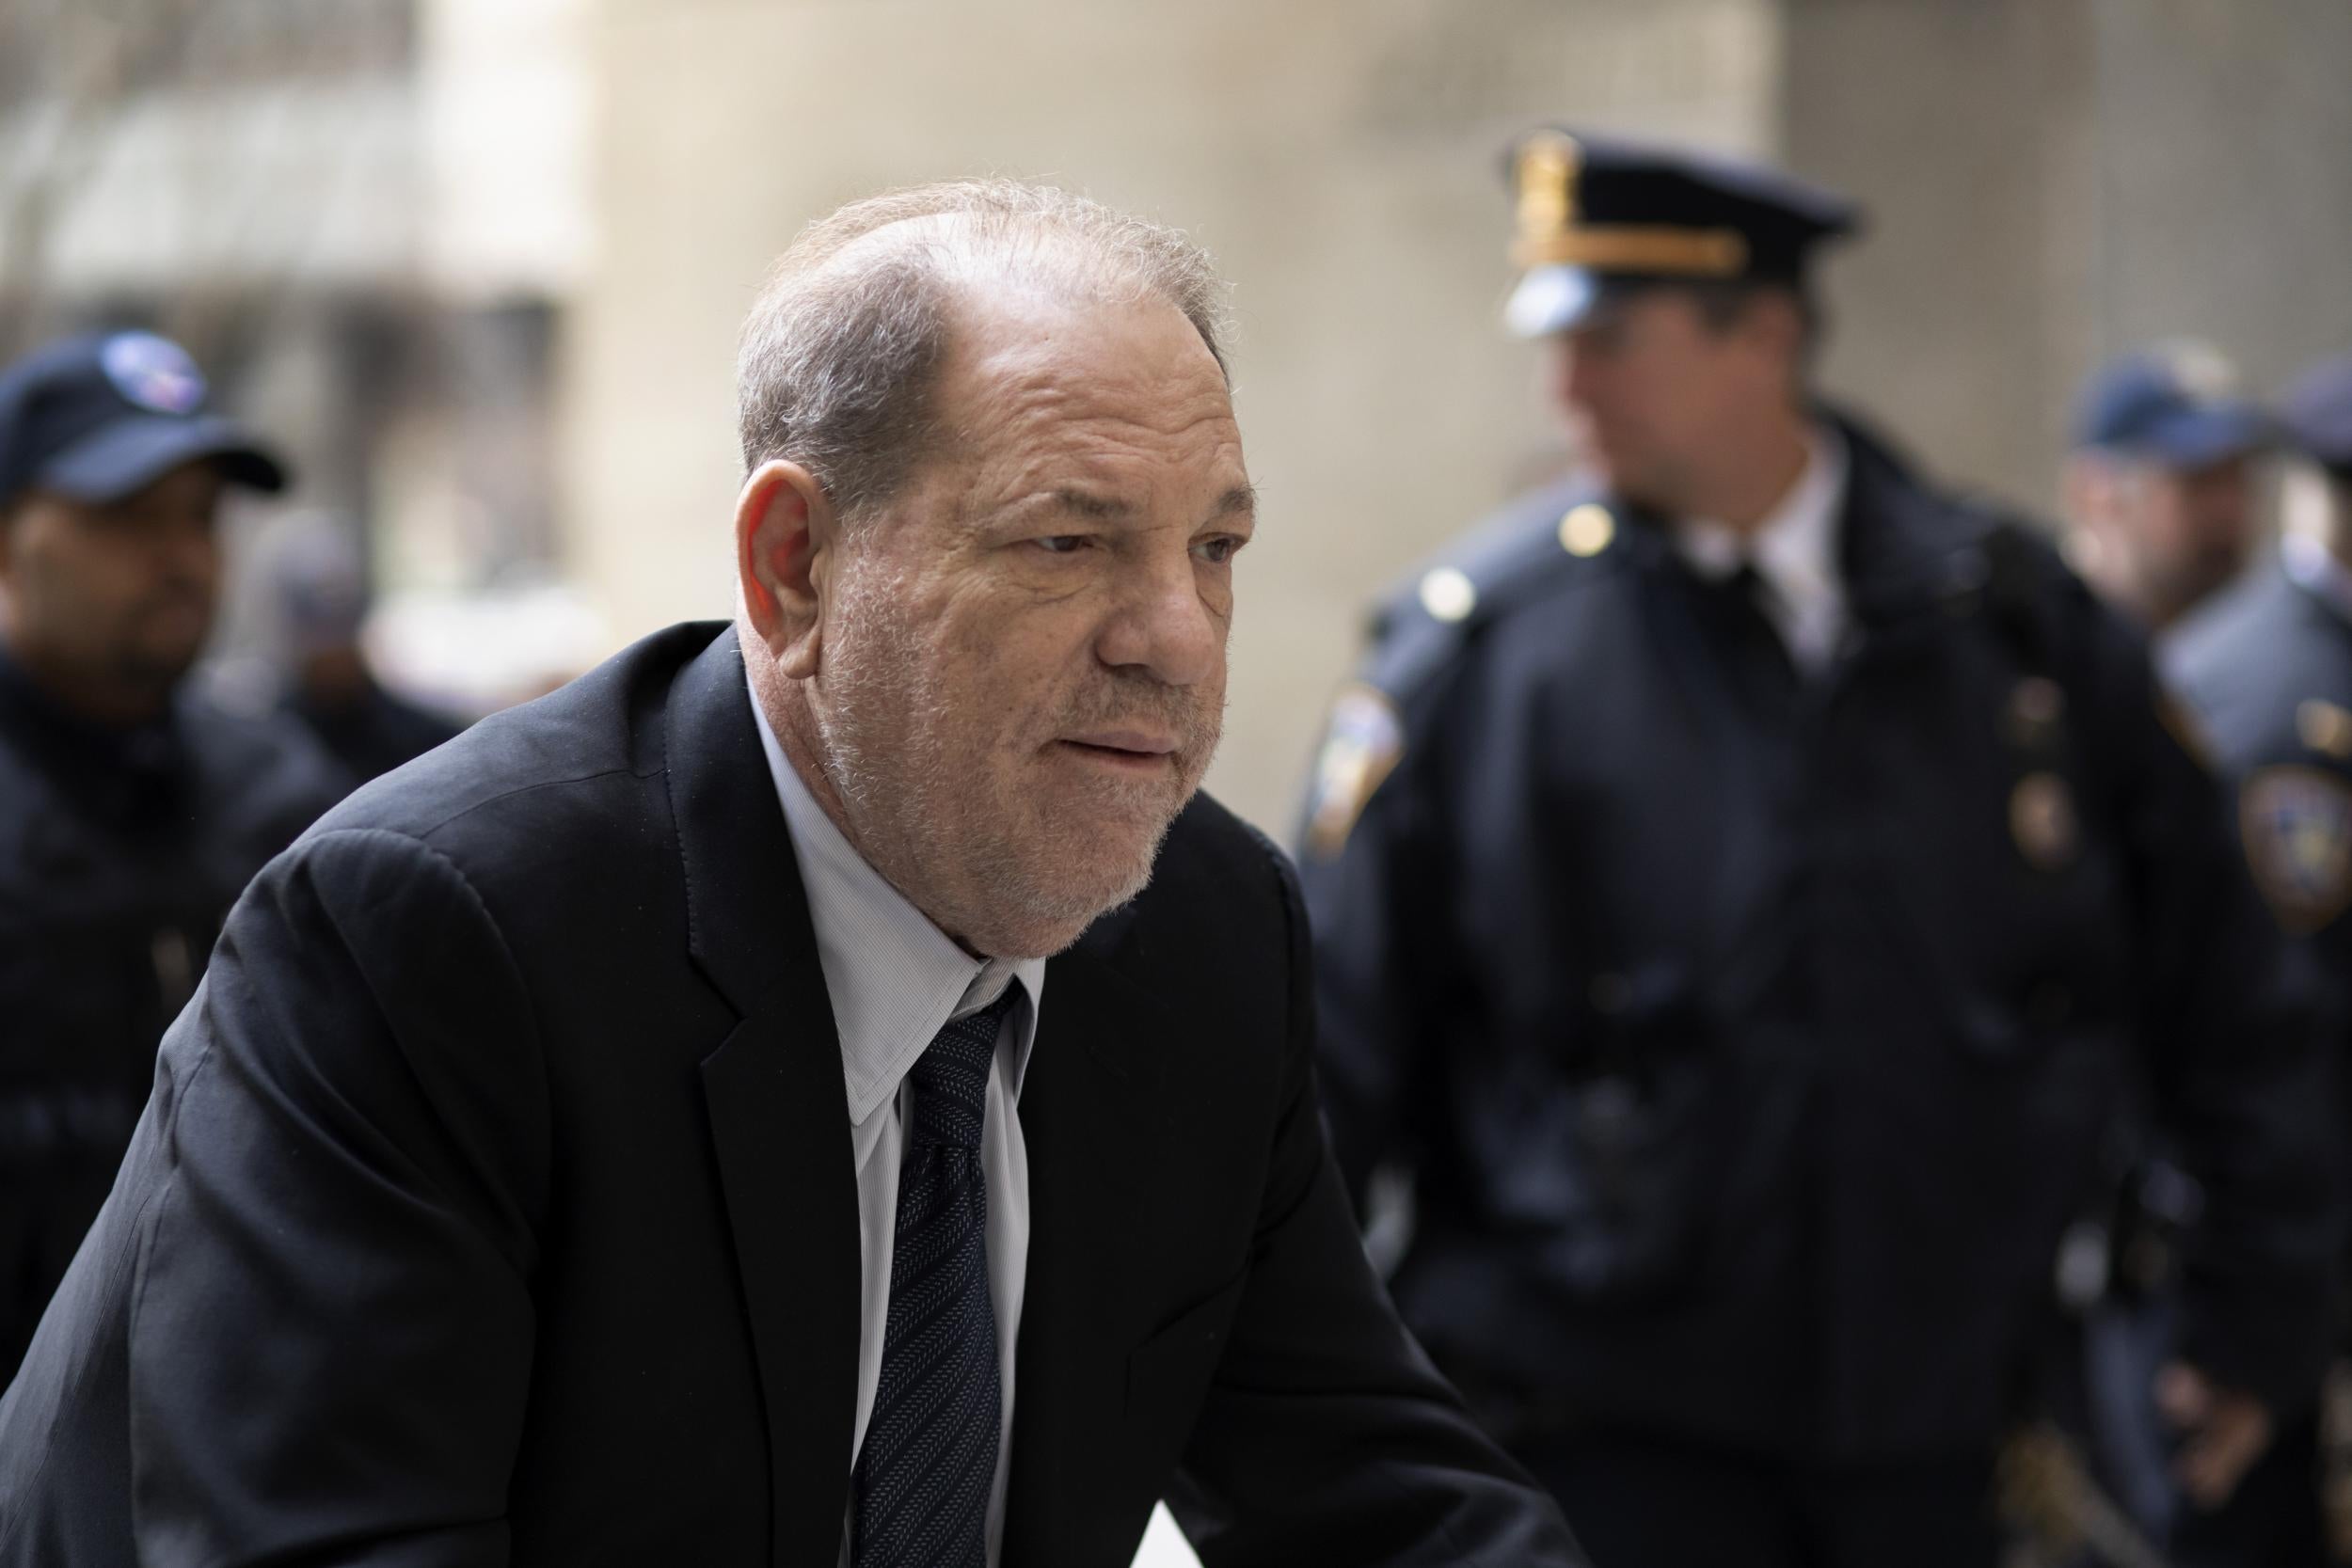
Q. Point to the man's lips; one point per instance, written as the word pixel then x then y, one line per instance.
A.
pixel 1144 750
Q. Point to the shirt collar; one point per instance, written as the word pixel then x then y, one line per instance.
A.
pixel 1795 547
pixel 2315 568
pixel 893 978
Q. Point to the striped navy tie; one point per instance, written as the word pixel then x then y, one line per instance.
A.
pixel 929 1461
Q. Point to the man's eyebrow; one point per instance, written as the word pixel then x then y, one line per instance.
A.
pixel 1240 501
pixel 1090 503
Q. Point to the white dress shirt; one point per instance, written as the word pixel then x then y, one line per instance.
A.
pixel 895 981
pixel 1794 551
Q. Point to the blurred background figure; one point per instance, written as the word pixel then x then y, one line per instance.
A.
pixel 318 601
pixel 1747 883
pixel 2269 669
pixel 2163 493
pixel 131 811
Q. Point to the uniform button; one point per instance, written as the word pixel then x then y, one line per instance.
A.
pixel 2325 728
pixel 1587 530
pixel 1447 595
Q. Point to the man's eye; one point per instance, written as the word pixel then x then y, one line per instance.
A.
pixel 1217 551
pixel 1061 544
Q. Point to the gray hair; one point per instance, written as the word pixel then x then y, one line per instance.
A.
pixel 843 349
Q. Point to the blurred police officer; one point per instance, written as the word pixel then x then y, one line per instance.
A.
pixel 2269 667
pixel 1743 887
pixel 130 815
pixel 2162 485
pixel 319 600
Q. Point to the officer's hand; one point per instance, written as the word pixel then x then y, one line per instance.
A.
pixel 2223 1431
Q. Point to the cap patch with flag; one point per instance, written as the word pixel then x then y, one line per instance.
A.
pixel 152 372
pixel 2297 826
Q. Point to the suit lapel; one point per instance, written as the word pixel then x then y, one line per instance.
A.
pixel 778 1117
pixel 1089 1121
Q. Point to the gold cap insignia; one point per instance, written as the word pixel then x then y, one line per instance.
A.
pixel 1361 744
pixel 2042 819
pixel 1548 163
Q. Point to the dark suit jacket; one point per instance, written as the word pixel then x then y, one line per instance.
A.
pixel 495 1205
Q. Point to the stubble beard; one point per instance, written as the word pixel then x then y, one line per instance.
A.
pixel 969 848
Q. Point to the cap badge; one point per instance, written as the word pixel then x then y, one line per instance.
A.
pixel 2200 371
pixel 152 372
pixel 1546 179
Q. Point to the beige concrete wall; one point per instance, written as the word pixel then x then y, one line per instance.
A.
pixel 2056 180
pixel 1337 155
pixel 1959 319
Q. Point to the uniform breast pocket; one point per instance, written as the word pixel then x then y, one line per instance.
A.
pixel 2024 953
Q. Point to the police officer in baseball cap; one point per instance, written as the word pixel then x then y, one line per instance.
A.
pixel 131 811
pixel 2269 667
pixel 2162 485
pixel 1745 879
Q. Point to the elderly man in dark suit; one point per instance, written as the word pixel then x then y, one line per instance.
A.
pixel 819 1089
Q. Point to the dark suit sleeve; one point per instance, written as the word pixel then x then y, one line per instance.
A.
pixel 2236 1057
pixel 1328 1437
pixel 330 1332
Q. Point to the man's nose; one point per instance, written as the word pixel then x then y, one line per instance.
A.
pixel 1163 626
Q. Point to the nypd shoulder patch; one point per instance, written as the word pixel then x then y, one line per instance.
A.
pixel 2298 827
pixel 1361 744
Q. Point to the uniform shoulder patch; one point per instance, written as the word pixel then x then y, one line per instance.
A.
pixel 1361 745
pixel 2297 826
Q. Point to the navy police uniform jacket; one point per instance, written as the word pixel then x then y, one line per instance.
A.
pixel 1750 1036
pixel 120 855
pixel 2269 669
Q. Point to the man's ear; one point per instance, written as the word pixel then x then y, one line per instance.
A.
pixel 786 540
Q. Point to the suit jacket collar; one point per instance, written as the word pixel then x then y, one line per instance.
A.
pixel 778 1113
pixel 774 1095
pixel 1090 1118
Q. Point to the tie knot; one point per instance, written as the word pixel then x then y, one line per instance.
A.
pixel 950 1078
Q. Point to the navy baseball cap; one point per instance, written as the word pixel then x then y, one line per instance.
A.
pixel 96 417
pixel 2317 414
pixel 1600 216
pixel 2177 405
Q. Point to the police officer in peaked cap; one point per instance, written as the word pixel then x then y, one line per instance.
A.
pixel 131 811
pixel 1745 882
